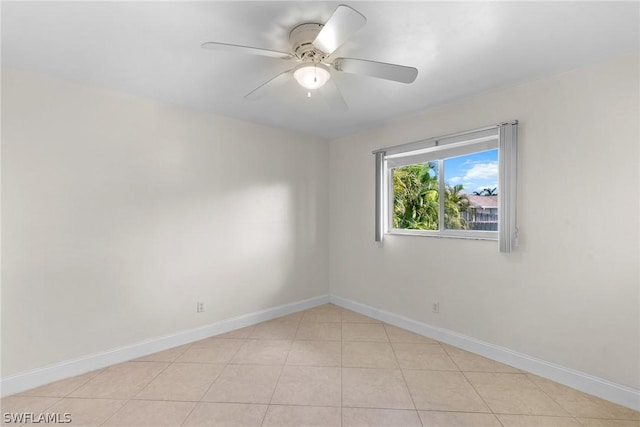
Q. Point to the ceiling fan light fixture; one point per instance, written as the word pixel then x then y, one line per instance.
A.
pixel 312 75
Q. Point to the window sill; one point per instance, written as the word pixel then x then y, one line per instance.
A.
pixel 451 234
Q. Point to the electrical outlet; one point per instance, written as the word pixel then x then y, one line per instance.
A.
pixel 436 307
pixel 200 307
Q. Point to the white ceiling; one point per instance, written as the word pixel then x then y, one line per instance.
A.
pixel 152 49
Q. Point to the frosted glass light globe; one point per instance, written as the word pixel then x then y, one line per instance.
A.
pixel 311 76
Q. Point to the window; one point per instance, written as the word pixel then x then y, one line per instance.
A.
pixel 459 185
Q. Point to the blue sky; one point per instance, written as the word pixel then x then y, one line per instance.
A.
pixel 475 171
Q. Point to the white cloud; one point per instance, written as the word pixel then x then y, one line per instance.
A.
pixel 478 176
pixel 482 171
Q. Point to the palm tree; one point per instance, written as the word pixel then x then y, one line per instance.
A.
pixel 455 203
pixel 415 201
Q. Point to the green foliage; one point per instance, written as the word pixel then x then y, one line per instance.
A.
pixel 454 204
pixel 416 199
pixel 487 192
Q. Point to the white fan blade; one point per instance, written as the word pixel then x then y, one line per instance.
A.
pixel 246 49
pixel 332 96
pixel 275 82
pixel 381 70
pixel 344 22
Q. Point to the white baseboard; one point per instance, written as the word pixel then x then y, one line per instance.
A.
pixel 34 378
pixel 620 394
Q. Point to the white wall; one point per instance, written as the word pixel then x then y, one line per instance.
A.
pixel 570 294
pixel 120 213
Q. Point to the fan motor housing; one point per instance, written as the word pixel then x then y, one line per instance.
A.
pixel 301 38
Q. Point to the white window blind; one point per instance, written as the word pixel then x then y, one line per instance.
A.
pixel 507 180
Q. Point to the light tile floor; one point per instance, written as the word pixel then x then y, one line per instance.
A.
pixel 322 367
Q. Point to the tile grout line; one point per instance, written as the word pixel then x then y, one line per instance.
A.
pixel 482 398
pixel 395 356
pixel 170 363
pixel 140 391
pixel 50 396
pixel 81 385
pixel 284 364
pixel 115 412
pixel 526 375
pixel 470 384
pixel 214 380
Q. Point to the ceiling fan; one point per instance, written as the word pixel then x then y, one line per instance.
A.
pixel 311 46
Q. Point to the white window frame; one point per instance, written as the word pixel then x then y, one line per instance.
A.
pixel 501 137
